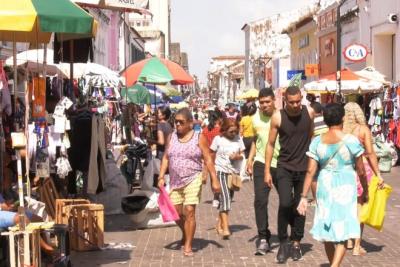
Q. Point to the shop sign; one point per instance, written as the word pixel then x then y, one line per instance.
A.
pixel 312 70
pixel 130 4
pixel 291 73
pixel 355 52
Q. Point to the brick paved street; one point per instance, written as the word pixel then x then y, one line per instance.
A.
pixel 155 247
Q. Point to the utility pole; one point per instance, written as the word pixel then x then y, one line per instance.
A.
pixel 339 50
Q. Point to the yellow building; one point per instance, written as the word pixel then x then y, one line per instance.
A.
pixel 304 45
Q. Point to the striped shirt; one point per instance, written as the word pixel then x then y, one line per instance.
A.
pixel 319 126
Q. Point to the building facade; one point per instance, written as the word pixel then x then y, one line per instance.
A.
pixel 155 27
pixel 226 78
pixel 303 44
pixel 265 42
pixel 327 39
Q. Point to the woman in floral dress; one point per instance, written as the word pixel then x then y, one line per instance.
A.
pixel 339 159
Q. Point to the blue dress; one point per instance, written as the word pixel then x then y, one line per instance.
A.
pixel 335 218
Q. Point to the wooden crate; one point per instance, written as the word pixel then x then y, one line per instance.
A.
pixel 61 215
pixel 48 195
pixel 86 223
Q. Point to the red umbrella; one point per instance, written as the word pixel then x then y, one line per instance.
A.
pixel 156 71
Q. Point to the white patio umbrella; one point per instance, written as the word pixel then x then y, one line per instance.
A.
pixel 372 74
pixel 95 74
pixel 33 60
pixel 350 82
pixel 329 86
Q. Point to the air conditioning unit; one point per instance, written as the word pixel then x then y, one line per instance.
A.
pixel 393 18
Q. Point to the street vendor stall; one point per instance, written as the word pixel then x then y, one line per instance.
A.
pixel 34 21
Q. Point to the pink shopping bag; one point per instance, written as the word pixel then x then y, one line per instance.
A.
pixel 167 209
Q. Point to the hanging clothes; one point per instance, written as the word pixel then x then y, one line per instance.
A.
pixel 37 90
pixel 97 163
pixel 5 92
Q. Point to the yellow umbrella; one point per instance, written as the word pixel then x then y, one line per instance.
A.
pixel 169 90
pixel 251 93
pixel 34 21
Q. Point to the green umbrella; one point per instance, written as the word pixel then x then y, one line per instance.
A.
pixel 137 94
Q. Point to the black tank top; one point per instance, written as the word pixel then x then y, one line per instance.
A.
pixel 294 138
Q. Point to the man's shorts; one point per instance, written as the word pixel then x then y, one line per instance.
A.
pixel 188 195
pixel 7 219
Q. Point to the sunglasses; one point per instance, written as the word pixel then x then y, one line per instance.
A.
pixel 180 122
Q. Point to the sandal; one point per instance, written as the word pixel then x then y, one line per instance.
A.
pixel 350 244
pixel 226 234
pixel 188 253
pixel 219 230
pixel 359 251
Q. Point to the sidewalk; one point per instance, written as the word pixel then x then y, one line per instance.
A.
pixel 156 247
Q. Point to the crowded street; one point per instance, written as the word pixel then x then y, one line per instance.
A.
pixel 199 133
pixel 157 247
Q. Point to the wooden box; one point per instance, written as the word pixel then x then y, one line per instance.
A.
pixel 86 223
pixel 61 215
pixel 48 195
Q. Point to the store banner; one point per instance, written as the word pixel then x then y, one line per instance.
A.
pixel 129 4
pixel 291 73
pixel 312 70
pixel 115 4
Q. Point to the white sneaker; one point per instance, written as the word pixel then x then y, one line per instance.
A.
pixel 215 203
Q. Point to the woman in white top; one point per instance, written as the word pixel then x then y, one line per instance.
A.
pixel 228 149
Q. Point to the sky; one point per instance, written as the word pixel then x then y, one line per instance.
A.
pixel 209 28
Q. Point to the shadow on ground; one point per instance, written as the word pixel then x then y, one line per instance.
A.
pixel 198 244
pixel 369 247
pixel 97 258
pixel 238 227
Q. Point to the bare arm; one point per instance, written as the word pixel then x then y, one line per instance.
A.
pixel 163 166
pixel 312 116
pixel 370 153
pixel 250 160
pixel 269 151
pixel 311 170
pixel 209 162
pixel 160 138
pixel 363 178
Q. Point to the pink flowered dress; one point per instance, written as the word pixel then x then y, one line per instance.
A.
pixel 185 161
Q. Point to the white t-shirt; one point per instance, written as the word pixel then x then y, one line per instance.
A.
pixel 224 148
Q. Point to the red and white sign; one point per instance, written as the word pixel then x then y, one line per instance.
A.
pixel 355 52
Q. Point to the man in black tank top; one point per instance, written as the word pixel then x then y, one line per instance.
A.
pixel 295 127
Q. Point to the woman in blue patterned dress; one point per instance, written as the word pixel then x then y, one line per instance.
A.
pixel 339 159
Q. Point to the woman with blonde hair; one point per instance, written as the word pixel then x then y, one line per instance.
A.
pixel 355 124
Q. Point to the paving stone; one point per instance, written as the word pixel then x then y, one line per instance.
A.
pixel 155 247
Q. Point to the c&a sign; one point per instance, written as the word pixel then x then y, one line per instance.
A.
pixel 355 52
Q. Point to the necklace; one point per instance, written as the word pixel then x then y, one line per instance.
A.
pixel 186 137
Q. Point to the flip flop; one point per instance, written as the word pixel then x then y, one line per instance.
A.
pixel 359 251
pixel 219 230
pixel 188 253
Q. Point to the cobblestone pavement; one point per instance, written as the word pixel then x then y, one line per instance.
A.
pixel 157 247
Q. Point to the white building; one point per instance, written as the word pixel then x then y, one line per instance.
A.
pixel 367 22
pixel 155 27
pixel 265 42
pixel 224 77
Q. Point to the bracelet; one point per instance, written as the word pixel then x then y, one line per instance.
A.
pixel 159 179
